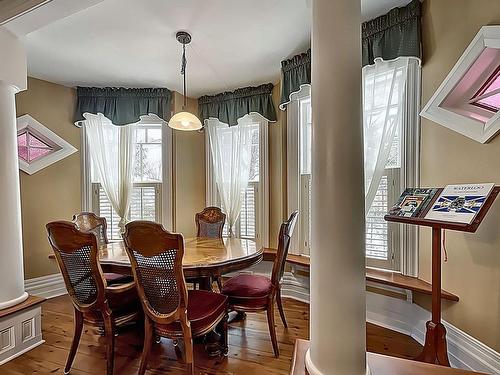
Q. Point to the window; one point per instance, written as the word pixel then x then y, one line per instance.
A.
pixel 253 220
pixel 391 99
pixel 299 132
pixel 150 195
pixel 37 146
pixel 468 99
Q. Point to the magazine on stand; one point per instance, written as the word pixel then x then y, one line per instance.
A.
pixel 460 203
pixel 413 201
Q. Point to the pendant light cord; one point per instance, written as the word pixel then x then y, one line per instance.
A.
pixel 183 72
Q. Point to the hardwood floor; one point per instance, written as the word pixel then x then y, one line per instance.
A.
pixel 250 349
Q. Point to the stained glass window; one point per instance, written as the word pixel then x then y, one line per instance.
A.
pixel 31 148
pixel 488 97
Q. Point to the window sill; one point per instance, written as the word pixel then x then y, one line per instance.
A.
pixel 374 275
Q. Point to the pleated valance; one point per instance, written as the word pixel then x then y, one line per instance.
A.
pixel 123 106
pixel 295 73
pixel 228 107
pixel 395 34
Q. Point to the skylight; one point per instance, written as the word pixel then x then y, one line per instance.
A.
pixel 488 97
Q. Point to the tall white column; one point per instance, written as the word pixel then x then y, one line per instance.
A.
pixel 12 79
pixel 337 253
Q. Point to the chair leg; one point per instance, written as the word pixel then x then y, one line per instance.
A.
pixel 148 341
pixel 272 328
pixel 75 342
pixel 188 347
pixel 223 331
pixel 109 329
pixel 219 284
pixel 280 307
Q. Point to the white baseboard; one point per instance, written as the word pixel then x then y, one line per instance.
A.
pixel 49 286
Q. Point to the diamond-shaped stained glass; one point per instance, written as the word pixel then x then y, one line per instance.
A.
pixel 31 148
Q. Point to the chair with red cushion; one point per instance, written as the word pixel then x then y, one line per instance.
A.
pixel 170 310
pixel 250 293
pixel 95 302
pixel 90 222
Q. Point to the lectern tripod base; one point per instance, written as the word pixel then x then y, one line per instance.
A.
pixel 435 349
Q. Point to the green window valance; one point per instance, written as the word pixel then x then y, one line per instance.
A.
pixel 123 106
pixel 295 73
pixel 228 107
pixel 395 34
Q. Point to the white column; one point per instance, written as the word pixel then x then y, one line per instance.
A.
pixel 12 79
pixel 337 253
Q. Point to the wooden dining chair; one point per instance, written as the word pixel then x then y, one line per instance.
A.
pixel 95 303
pixel 170 309
pixel 210 224
pixel 251 293
pixel 90 222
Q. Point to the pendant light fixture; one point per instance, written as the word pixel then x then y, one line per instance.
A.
pixel 184 120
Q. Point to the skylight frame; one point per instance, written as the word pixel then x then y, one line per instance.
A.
pixel 435 110
pixel 62 148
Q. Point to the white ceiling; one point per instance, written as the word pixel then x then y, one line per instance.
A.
pixel 132 43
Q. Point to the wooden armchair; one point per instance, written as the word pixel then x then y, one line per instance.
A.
pixel 209 224
pixel 90 222
pixel 170 309
pixel 251 293
pixel 95 303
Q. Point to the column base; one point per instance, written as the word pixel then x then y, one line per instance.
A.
pixel 13 302
pixel 313 370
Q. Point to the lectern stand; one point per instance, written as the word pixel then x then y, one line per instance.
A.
pixel 435 348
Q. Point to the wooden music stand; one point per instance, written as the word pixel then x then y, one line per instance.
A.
pixel 435 348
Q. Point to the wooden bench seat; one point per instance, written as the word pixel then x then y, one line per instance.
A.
pixel 375 275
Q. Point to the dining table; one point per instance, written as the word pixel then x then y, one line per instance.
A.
pixel 204 258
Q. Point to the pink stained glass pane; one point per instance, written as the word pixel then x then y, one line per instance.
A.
pixel 23 153
pixel 34 141
pixel 22 139
pixel 37 153
pixel 492 101
pixel 494 85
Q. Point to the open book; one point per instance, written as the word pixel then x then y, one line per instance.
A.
pixel 460 203
pixel 413 201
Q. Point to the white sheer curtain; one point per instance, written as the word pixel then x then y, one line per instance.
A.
pixel 112 149
pixel 231 156
pixel 383 105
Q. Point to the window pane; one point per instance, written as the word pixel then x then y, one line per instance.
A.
pixel 305 136
pixel 154 135
pixel 255 161
pixel 376 226
pixel 148 162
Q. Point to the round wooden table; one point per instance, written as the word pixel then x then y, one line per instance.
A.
pixel 203 257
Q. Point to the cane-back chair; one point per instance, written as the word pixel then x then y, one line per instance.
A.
pixel 251 293
pixel 210 224
pixel 95 303
pixel 170 309
pixel 90 222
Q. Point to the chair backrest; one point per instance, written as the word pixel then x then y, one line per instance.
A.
pixel 90 222
pixel 77 256
pixel 156 258
pixel 286 232
pixel 210 222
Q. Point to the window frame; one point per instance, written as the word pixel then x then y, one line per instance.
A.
pixel 403 239
pixel 165 211
pixel 294 175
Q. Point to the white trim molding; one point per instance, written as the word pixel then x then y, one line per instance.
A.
pixel 450 105
pixel 62 148
pixel 49 286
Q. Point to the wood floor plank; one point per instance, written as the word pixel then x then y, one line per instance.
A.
pixel 250 349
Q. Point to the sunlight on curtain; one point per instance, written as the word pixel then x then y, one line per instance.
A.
pixel 383 104
pixel 112 149
pixel 231 155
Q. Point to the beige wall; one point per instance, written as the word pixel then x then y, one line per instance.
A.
pixel 189 172
pixel 473 268
pixel 54 192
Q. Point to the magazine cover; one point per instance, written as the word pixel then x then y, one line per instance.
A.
pixel 413 201
pixel 460 203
